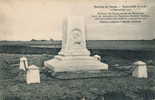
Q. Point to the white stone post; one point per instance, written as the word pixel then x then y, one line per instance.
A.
pixel 33 74
pixel 23 63
pixel 140 70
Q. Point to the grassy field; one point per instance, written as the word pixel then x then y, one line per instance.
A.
pixel 125 87
pixel 117 83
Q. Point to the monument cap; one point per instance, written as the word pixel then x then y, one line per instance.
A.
pixel 139 63
pixel 34 67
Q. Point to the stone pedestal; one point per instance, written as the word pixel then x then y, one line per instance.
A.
pixel 75 63
pixel 74 56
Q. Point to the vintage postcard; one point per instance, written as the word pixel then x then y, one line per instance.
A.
pixel 77 50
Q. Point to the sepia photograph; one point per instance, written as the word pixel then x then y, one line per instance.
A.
pixel 77 50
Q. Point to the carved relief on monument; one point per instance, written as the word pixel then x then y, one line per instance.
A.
pixel 76 38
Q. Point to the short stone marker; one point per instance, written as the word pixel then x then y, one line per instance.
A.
pixel 23 63
pixel 32 74
pixel 140 70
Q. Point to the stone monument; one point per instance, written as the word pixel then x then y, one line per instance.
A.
pixel 74 56
pixel 140 70
pixel 32 74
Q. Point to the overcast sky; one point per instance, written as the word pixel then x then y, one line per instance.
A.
pixel 42 19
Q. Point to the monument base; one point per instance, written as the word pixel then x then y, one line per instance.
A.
pixel 75 63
